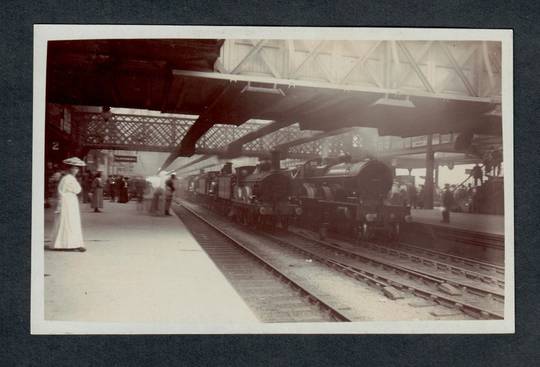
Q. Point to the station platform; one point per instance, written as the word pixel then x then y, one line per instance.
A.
pixel 482 223
pixel 475 236
pixel 137 268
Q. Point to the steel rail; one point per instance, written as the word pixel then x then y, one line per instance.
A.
pixel 310 296
pixel 430 261
pixel 475 263
pixel 427 275
pixel 465 307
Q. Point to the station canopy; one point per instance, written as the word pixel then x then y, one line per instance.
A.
pixel 180 77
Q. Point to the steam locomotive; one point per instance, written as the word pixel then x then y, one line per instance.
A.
pixel 348 198
pixel 332 194
pixel 254 195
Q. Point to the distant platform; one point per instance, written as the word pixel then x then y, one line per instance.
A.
pixel 137 268
pixel 475 236
pixel 482 223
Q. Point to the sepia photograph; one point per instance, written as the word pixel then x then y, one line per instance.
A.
pixel 226 180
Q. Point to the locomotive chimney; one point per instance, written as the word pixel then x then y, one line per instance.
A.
pixel 275 156
pixel 227 168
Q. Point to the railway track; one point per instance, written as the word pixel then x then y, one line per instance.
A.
pixel 474 265
pixel 269 292
pixel 404 274
pixel 482 277
pixel 396 281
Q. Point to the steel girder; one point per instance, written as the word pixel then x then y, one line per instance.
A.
pixel 164 134
pixel 439 69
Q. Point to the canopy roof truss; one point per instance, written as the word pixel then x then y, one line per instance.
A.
pixel 402 88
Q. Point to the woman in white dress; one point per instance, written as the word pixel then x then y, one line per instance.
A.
pixel 68 234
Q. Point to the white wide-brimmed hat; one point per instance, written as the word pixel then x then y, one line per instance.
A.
pixel 74 161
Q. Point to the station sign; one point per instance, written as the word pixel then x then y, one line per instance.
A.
pixel 125 158
pixel 419 141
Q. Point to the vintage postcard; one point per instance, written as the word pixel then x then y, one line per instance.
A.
pixel 232 180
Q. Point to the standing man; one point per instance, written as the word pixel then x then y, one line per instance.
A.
pixel 85 180
pixel 420 198
pixel 413 196
pixel 112 188
pixel 477 174
pixel 447 201
pixel 97 193
pixel 170 187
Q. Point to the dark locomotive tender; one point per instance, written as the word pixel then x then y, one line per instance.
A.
pixel 255 195
pixel 348 197
pixel 333 194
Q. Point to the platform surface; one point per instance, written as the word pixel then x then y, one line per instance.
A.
pixel 484 223
pixel 137 268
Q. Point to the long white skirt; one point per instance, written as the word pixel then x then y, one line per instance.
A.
pixel 68 231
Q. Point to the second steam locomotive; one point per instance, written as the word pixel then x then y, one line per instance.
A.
pixel 327 195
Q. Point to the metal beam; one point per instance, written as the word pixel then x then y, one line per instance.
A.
pixel 311 55
pixel 372 75
pixel 445 147
pixel 464 58
pixel 415 66
pixel 266 62
pixel 459 71
pixel 234 149
pixel 249 55
pixel 257 154
pixel 331 86
pixel 487 63
pixel 421 54
pixel 198 129
pixel 360 61
pixel 290 56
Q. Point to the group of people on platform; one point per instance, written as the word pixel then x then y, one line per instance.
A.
pixel 457 198
pixel 158 200
pixel 65 187
pixel 117 188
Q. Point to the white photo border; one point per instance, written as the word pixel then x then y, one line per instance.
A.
pixel 44 33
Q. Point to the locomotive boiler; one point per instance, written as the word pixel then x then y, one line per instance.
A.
pixel 261 196
pixel 348 197
pixel 255 195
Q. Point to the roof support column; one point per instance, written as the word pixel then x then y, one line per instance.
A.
pixel 436 174
pixel 430 163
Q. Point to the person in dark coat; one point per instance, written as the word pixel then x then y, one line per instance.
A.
pixel 170 187
pixel 420 198
pixel 123 196
pixel 477 174
pixel 112 189
pixel 86 184
pixel 447 201
pixel 97 193
pixel 413 196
